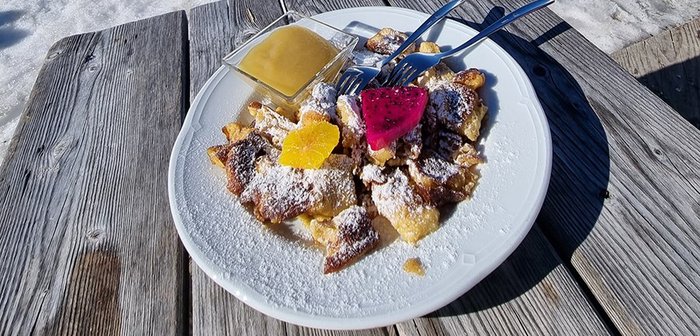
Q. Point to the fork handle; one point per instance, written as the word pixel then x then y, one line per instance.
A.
pixel 431 21
pixel 502 22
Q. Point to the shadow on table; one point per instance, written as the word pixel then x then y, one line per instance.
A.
pixel 677 85
pixel 577 189
pixel 8 34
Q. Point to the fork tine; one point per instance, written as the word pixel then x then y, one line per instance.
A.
pixel 339 83
pixel 347 82
pixel 396 74
pixel 356 86
pixel 361 85
pixel 352 90
pixel 390 78
pixel 401 80
pixel 342 81
pixel 408 77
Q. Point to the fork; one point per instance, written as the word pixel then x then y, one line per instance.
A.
pixel 415 64
pixel 355 78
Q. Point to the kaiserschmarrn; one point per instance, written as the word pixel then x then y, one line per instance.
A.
pixel 406 182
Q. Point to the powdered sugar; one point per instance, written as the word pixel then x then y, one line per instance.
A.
pixel 395 195
pixel 322 101
pixel 280 192
pixel 452 103
pixel 372 174
pixel 365 57
pixel 271 123
pixel 435 168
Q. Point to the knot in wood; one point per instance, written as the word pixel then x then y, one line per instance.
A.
pixel 95 234
pixel 539 70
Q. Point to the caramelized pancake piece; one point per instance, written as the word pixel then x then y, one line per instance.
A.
pixel 412 143
pixel 457 108
pixel 435 76
pixel 235 131
pixel 380 157
pixel 372 174
pixel 340 162
pixel 279 193
pixel 437 180
pixel 453 147
pixel 335 185
pixel 405 209
pixel 387 40
pixel 322 231
pixel 428 47
pixel 352 127
pixel 355 237
pixel 218 154
pixel 320 105
pixel 270 123
pixel 471 78
pixel 241 160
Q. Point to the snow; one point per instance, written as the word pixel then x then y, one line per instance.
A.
pixel 614 24
pixel 28 28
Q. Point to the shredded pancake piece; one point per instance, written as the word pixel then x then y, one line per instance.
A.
pixel 270 123
pixel 457 108
pixel 335 185
pixel 241 161
pixel 405 209
pixel 320 105
pixel 387 40
pixel 437 180
pixel 279 193
pixel 355 236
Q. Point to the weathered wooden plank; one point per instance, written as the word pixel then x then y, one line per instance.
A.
pixel 531 293
pixel 622 203
pixel 214 31
pixel 87 243
pixel 215 311
pixel 669 65
pixel 311 7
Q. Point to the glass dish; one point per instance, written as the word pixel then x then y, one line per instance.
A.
pixel 344 42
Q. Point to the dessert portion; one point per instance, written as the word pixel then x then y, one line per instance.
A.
pixel 343 164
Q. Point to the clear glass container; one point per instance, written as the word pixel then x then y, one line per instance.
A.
pixel 344 42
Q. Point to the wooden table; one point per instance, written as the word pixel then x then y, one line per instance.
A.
pixel 88 246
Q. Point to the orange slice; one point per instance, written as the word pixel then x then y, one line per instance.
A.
pixel 308 146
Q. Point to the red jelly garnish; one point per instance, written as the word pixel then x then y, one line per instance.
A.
pixel 391 112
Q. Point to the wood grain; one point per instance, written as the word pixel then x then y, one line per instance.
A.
pixel 311 7
pixel 669 65
pixel 622 203
pixel 87 243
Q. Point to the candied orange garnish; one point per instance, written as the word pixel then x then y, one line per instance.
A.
pixel 310 145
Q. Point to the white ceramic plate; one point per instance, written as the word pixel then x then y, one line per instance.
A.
pixel 282 277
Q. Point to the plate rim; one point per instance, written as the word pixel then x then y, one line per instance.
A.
pixel 241 291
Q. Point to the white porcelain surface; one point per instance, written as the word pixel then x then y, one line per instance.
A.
pixel 282 277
